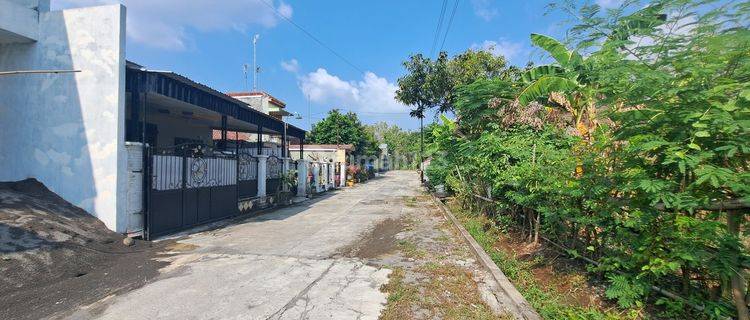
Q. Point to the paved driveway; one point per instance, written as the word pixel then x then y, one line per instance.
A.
pixel 282 265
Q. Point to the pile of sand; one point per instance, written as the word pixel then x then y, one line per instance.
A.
pixel 54 255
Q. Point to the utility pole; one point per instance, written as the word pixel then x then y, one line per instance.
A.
pixel 309 114
pixel 245 70
pixel 255 62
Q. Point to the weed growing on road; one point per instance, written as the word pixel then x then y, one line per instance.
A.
pixel 410 249
pixel 449 292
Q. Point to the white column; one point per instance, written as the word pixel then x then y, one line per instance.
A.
pixel 301 178
pixel 324 175
pixel 262 164
pixel 331 174
pixel 342 176
pixel 316 177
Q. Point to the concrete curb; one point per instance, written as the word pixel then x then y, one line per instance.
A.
pixel 510 298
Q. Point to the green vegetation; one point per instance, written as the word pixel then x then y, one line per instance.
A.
pixel 340 128
pixel 631 149
pixel 545 300
pixel 403 145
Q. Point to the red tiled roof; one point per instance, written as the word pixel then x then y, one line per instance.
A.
pixel 242 136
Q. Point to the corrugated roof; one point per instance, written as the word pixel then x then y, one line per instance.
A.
pixel 240 111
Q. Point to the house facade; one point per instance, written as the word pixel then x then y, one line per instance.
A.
pixel 330 157
pixel 65 129
pixel 147 152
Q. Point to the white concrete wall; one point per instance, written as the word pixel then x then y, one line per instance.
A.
pixel 18 22
pixel 68 130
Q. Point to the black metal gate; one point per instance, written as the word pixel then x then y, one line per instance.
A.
pixel 248 174
pixel 189 185
pixel 273 175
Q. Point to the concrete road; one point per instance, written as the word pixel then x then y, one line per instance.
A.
pixel 281 265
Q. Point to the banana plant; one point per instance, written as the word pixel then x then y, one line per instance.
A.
pixel 569 83
pixel 565 84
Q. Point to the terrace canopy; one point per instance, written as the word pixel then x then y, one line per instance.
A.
pixel 188 104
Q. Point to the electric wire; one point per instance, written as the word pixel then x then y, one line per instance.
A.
pixel 439 27
pixel 314 38
pixel 450 22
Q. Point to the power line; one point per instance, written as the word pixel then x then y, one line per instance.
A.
pixel 17 72
pixel 450 22
pixel 312 37
pixel 439 27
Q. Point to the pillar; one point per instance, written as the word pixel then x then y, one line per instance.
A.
pixel 260 140
pixel 262 165
pixel 324 175
pixel 301 177
pixel 316 177
pixel 331 174
pixel 342 177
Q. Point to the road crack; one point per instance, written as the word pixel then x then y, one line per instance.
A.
pixel 301 295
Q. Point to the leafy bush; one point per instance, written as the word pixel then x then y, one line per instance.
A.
pixel 628 155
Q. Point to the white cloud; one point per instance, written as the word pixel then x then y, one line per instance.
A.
pixel 509 50
pixel 167 24
pixel 371 94
pixel 290 66
pixel 484 9
pixel 608 3
pixel 285 10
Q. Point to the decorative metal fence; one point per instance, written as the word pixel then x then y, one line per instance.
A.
pixel 273 167
pixel 247 167
pixel 189 185
pixel 273 174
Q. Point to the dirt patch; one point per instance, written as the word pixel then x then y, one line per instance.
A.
pixel 56 257
pixel 180 247
pixel 379 241
pixel 434 275
pixel 555 271
pixel 374 202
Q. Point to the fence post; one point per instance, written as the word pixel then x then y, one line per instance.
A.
pixel 331 174
pixel 262 167
pixel 301 178
pixel 342 176
pixel 316 177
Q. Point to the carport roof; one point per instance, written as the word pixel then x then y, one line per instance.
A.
pixel 181 88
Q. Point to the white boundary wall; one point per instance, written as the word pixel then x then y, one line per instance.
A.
pixel 68 130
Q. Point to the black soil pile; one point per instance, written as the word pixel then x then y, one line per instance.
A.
pixel 55 256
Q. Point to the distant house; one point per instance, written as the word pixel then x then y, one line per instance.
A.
pixel 334 156
pixel 337 153
pixel 263 102
pixel 145 151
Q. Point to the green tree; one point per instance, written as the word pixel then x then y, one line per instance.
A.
pixel 662 205
pixel 432 83
pixel 403 145
pixel 340 128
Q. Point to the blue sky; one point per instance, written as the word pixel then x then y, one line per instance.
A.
pixel 209 41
